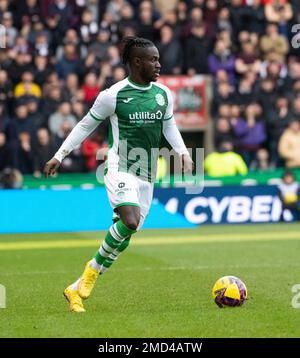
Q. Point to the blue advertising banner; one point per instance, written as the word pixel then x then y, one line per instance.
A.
pixel 84 210
pixel 227 204
pixel 25 211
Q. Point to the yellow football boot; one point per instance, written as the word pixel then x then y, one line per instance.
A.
pixel 75 301
pixel 87 281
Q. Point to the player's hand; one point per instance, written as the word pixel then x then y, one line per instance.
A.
pixel 51 167
pixel 187 163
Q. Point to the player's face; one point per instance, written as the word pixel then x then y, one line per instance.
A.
pixel 150 66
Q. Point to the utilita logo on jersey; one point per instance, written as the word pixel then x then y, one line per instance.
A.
pixel 145 116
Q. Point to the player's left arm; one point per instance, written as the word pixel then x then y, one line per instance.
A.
pixel 173 136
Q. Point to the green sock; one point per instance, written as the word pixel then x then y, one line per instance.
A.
pixel 114 255
pixel 116 235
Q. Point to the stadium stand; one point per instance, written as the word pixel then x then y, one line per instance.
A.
pixel 59 54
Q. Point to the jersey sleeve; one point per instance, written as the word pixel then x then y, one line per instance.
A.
pixel 173 136
pixel 78 134
pixel 169 111
pixel 104 105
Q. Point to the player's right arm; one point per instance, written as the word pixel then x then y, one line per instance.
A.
pixel 102 108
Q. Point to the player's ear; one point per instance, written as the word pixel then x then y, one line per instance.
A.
pixel 137 61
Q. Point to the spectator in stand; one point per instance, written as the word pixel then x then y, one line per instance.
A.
pixel 69 63
pixel 21 121
pixel 196 53
pixel 26 11
pixel 296 108
pixel 42 69
pixel 273 42
pixel 117 74
pixel 225 36
pixel 70 87
pixel 236 16
pixel 41 45
pixel 74 163
pixel 196 18
pixel 254 17
pixel 295 93
pixel 247 60
pixel 27 87
pixel 165 6
pixel 224 95
pixel 146 19
pixel 224 110
pixel 6 88
pixel 5 152
pixel 182 16
pixel 71 37
pixel 210 14
pixel 279 12
pixel 222 59
pixel 262 161
pixel 100 46
pixel 223 21
pixel 11 179
pixel 225 162
pixel 250 132
pixel 289 145
pixel 221 76
pixel 63 12
pixel 89 27
pixel 170 50
pixel 223 132
pixel 4 119
pixel 288 192
pixel 90 88
pixel 51 101
pixel 170 19
pixel 63 115
pixel 114 8
pixel 10 30
pixel 34 114
pixel 44 150
pixel 279 119
pixel 245 91
pixel 127 20
pixel 275 70
pixel 79 110
pixel 94 148
pixel 113 55
pixel 23 155
pixel 267 95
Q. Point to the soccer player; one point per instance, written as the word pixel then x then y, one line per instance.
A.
pixel 140 110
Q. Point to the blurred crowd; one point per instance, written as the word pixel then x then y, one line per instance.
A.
pixel 59 54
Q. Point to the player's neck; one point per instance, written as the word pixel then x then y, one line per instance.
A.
pixel 136 79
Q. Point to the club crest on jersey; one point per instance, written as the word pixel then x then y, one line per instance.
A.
pixel 160 99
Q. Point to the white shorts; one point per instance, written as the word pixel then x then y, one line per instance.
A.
pixel 126 189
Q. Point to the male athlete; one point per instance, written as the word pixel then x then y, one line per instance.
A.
pixel 140 110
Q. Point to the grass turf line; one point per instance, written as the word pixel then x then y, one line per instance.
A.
pixel 156 290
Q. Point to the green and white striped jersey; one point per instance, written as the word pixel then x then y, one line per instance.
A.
pixel 138 116
pixel 135 128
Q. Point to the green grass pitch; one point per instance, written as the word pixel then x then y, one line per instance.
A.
pixel 160 287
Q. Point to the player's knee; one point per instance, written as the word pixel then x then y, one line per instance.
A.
pixel 132 222
pixel 130 215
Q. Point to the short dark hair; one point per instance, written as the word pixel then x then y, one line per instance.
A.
pixel 287 173
pixel 133 42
